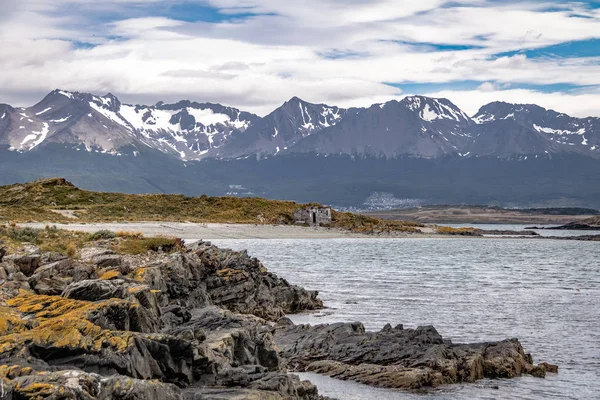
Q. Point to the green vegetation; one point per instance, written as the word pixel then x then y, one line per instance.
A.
pixel 103 234
pixel 43 200
pixel 49 239
pixel 447 230
pixel 143 245
pixel 364 224
pixel 69 242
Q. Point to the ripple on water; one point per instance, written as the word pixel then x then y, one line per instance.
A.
pixel 546 293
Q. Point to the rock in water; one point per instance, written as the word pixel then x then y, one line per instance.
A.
pixel 399 358
pixel 200 324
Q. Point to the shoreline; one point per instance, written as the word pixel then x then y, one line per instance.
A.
pixel 213 231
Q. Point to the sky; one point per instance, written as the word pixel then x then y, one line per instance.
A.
pixel 257 54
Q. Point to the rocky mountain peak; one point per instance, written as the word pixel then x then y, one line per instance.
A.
pixel 431 109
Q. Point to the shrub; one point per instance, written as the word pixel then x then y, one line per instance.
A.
pixel 143 245
pixel 447 230
pixel 129 235
pixel 71 250
pixel 103 234
pixel 24 235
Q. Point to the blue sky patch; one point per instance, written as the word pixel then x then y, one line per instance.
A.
pixel 582 48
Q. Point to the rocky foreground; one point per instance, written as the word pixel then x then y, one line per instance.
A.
pixel 202 323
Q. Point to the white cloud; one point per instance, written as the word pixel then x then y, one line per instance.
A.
pixel 259 62
pixel 575 104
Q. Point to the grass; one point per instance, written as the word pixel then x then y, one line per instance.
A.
pixel 467 231
pixel 143 245
pixel 365 224
pixel 69 242
pixel 35 201
pixel 49 239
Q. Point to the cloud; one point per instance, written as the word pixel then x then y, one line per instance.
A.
pixel 256 54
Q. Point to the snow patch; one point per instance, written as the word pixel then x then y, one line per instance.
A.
pixel 482 119
pixel 207 116
pixel 110 115
pixel 36 137
pixel 66 94
pixel 428 114
pixel 46 110
pixel 58 121
pixel 542 129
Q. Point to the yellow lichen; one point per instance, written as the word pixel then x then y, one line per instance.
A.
pixel 108 275
pixel 36 390
pixel 63 323
pixel 140 274
pixel 11 322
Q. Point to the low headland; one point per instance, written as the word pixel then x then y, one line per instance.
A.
pixel 473 214
pixel 56 202
pixel 119 315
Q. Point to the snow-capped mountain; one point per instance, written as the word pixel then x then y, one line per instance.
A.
pixel 102 124
pixel 188 129
pixel 78 120
pixel 416 126
pixel 565 133
pixel 283 128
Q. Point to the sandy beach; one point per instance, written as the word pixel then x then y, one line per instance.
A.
pixel 215 231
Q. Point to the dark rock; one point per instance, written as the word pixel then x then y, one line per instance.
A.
pixel 52 279
pixel 201 325
pixel 396 357
pixel 107 260
pixel 2 253
pixel 95 290
pixel 576 226
pixel 28 263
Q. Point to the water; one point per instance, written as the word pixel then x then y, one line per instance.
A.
pixel 545 292
pixel 519 227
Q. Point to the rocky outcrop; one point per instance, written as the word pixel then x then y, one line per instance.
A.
pixel 201 323
pixel 162 326
pixel 399 358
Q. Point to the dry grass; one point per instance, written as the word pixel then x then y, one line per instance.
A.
pixel 50 239
pixel 364 224
pixel 467 231
pixel 144 245
pixel 69 242
pixel 34 202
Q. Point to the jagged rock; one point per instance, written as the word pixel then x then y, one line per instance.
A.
pixel 107 260
pixel 398 358
pixel 203 319
pixel 28 384
pixel 95 290
pixel 27 263
pixel 52 279
pixel 229 394
pixel 87 254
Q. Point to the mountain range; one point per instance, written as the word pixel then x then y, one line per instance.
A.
pixel 418 147
pixel 416 126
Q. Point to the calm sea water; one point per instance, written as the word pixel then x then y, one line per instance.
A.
pixel 544 292
pixel 515 227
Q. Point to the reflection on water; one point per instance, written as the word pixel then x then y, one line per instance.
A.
pixel 545 292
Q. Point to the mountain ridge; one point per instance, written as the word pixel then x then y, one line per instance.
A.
pixel 415 126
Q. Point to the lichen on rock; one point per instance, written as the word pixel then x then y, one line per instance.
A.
pixel 200 323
